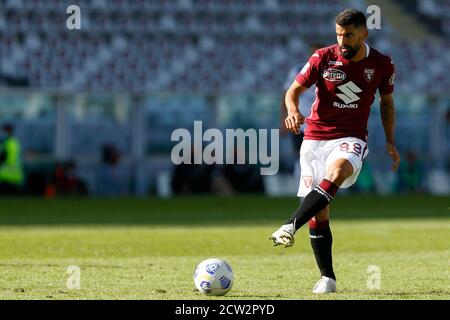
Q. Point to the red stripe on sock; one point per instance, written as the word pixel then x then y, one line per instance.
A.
pixel 329 187
pixel 319 225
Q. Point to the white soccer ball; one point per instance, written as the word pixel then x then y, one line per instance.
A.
pixel 213 277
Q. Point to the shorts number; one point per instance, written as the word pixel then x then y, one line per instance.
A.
pixel 356 148
pixel 344 146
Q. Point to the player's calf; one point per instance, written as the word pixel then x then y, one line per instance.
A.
pixel 321 243
pixel 314 202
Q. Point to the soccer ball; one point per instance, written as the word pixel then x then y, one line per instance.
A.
pixel 213 277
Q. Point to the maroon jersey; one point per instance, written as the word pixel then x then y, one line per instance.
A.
pixel 345 91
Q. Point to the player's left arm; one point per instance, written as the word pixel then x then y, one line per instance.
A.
pixel 387 110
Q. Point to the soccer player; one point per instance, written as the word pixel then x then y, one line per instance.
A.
pixel 347 76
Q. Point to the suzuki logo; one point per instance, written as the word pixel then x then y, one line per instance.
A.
pixel 348 92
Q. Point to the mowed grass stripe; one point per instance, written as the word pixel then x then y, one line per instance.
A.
pixel 207 210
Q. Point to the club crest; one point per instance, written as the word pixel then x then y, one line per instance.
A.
pixel 307 180
pixel 368 74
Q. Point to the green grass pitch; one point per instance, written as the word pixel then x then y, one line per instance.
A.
pixel 148 248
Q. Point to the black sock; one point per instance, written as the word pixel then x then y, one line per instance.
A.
pixel 321 241
pixel 314 202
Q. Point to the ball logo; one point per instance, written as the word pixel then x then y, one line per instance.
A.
pixel 205 286
pixel 224 282
pixel 212 268
pixel 334 75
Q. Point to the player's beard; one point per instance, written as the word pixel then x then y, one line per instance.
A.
pixel 350 52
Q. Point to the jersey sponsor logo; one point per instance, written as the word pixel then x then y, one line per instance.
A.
pixel 368 74
pixel 334 75
pixel 305 68
pixel 349 91
pixel 345 106
pixel 335 63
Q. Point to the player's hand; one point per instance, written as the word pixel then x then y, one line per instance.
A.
pixel 293 121
pixel 393 153
pixel 283 130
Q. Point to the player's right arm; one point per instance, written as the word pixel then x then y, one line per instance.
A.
pixel 308 76
pixel 294 118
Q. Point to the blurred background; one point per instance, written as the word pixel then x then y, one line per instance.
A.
pixel 90 112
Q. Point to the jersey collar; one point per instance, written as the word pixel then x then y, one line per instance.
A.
pixel 367 49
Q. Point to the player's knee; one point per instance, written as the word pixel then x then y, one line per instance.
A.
pixel 338 175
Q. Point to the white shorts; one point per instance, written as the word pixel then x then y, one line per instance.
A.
pixel 317 155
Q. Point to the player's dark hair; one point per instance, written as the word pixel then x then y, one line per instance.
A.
pixel 350 17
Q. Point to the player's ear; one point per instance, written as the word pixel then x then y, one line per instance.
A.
pixel 365 33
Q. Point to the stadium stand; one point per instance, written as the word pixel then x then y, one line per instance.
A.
pixel 205 45
pixel 139 69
